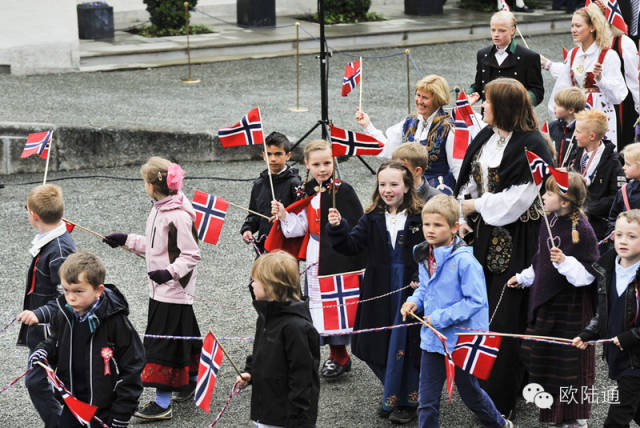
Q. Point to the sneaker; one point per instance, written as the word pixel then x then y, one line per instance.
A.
pixel 153 412
pixel 402 415
pixel 181 396
pixel 331 369
pixel 382 413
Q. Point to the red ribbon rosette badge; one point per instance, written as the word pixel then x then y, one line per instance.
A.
pixel 107 354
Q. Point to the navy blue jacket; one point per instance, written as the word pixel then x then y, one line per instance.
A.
pixel 633 193
pixel 561 133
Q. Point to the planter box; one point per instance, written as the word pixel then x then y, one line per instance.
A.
pixel 256 13
pixel 423 7
pixel 95 22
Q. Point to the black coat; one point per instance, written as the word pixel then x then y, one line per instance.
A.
pixel 521 64
pixel 116 394
pixel 284 186
pixel 284 365
pixel 607 180
pixel 370 236
pixel 633 193
pixel 598 326
pixel 627 15
pixel 561 134
pixel 42 300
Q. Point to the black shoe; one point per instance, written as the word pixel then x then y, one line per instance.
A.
pixel 523 9
pixel 181 396
pixel 382 413
pixel 403 415
pixel 153 412
pixel 331 369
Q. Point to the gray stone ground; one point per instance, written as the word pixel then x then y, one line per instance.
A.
pixel 154 99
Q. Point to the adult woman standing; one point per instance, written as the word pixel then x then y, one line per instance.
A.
pixel 499 200
pixel 505 58
pixel 431 126
pixel 593 66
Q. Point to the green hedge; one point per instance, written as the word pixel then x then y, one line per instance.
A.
pixel 167 14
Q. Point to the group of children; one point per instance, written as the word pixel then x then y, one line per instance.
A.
pixel 406 240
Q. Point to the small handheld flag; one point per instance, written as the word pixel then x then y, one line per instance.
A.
pixel 247 132
pixel 210 360
pixel 504 6
pixel 38 143
pixel 351 143
pixel 463 109
pixel 540 169
pixel 589 102
pixel 461 139
pixel 83 412
pixel 210 215
pixel 545 127
pixel 565 52
pixel 339 295
pixel 476 354
pixel 614 16
pixel 351 77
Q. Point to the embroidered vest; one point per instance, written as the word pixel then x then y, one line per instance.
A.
pixel 435 143
pixel 589 79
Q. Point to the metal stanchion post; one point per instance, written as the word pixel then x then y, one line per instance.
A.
pixel 188 79
pixel 297 108
pixel 406 51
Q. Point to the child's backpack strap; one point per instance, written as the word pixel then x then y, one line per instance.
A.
pixel 625 197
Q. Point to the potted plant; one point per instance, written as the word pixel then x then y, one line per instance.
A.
pixel 95 20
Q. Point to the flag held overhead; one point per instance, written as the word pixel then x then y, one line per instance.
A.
pixel 351 77
pixel 247 132
pixel 38 143
pixel 351 143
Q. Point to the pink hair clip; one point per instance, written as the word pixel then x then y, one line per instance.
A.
pixel 175 176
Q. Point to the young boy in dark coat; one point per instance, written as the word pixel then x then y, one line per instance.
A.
pixel 94 348
pixel 285 181
pixel 598 163
pixel 49 249
pixel 283 368
pixel 617 317
pixel 628 197
pixel 567 103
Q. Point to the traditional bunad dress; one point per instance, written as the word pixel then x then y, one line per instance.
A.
pixel 627 111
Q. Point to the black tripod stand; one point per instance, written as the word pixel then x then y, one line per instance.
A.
pixel 324 98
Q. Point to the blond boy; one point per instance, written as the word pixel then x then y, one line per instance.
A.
pixel 567 103
pixel 414 156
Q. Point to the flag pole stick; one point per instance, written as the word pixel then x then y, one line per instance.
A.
pixel 46 166
pixel 248 210
pixel 522 37
pixel 226 355
pixel 333 187
pixel 569 148
pixel 86 229
pixel 406 52
pixel 266 159
pixel 544 214
pixel 426 324
pixel 361 83
pixel 522 336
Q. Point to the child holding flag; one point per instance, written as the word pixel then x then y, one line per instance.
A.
pixel 283 368
pixel 561 296
pixel 93 346
pixel 387 232
pixel 300 230
pixel 452 292
pixel 170 246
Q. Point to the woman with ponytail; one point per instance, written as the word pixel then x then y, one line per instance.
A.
pixel 561 300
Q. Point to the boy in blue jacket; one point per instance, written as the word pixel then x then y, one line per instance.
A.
pixel 451 293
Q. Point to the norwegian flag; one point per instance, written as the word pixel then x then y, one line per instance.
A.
pixel 210 214
pixel 565 52
pixel 210 360
pixel 38 143
pixel 83 412
pixel 504 6
pixel 339 295
pixel 589 101
pixel 540 169
pixel 247 132
pixel 351 77
pixel 351 143
pixel 476 354
pixel 68 225
pixel 545 127
pixel 587 3
pixel 463 109
pixel 614 16
pixel 461 139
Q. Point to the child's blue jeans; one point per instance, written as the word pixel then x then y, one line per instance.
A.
pixel 433 376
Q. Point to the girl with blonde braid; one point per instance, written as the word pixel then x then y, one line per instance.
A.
pixel 561 295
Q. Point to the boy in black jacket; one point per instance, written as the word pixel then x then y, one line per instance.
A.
pixel 597 162
pixel 283 367
pixel 618 276
pixel 567 103
pixel 95 349
pixel 49 248
pixel 285 180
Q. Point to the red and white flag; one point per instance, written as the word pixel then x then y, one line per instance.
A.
pixel 463 109
pixel 352 75
pixel 351 143
pixel 461 139
pixel 247 132
pixel 476 354
pixel 545 127
pixel 504 6
pixel 589 101
pixel 38 143
pixel 540 169
pixel 68 225
pixel 340 295
pixel 210 215
pixel 210 361
pixel 614 16
pixel 83 412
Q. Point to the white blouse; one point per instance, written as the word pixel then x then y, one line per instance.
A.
pixel 395 223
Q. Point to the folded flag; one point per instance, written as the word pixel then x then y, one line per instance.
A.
pixel 463 110
pixel 210 214
pixel 476 354
pixel 504 6
pixel 352 143
pixel 37 143
pixel 247 132
pixel 545 127
pixel 614 16
pixel 83 412
pixel 351 77
pixel 540 169
pixel 339 295
pixel 461 139
pixel 210 361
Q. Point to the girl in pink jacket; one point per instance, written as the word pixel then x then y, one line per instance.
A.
pixel 170 247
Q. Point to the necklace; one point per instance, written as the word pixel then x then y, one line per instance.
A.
pixel 501 140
